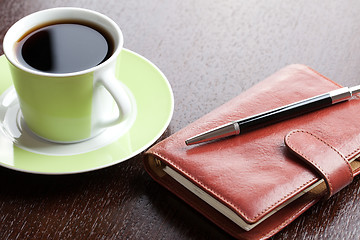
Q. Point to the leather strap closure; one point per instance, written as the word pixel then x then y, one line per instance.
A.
pixel 322 157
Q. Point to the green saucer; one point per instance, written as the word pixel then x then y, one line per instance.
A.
pixel 155 105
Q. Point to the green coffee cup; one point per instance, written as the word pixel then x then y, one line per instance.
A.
pixel 75 106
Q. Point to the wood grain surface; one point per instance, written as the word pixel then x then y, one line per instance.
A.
pixel 210 51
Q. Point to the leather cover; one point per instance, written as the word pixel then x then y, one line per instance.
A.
pixel 254 173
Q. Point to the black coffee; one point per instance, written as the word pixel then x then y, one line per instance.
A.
pixel 64 48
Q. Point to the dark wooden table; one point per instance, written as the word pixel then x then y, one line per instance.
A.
pixel 210 51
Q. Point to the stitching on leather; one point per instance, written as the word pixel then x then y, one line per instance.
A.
pixel 356 151
pixel 319 167
pixel 284 197
pixel 335 150
pixel 223 199
pixel 307 158
pixel 288 220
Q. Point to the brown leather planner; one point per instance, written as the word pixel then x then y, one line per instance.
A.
pixel 253 185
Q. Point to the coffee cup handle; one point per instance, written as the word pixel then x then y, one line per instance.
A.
pixel 121 97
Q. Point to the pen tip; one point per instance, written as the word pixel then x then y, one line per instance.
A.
pixel 216 133
pixel 188 142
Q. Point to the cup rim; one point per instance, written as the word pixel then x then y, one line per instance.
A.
pixel 8 43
